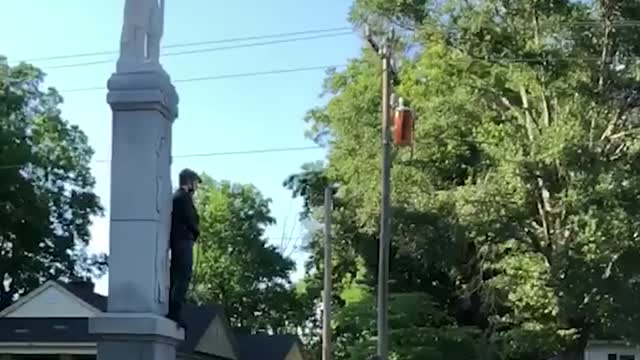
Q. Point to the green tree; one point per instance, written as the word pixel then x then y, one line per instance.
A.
pixel 418 329
pixel 46 188
pixel 517 209
pixel 234 265
pixel 354 275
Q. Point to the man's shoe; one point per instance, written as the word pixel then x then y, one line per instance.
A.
pixel 181 323
pixel 178 320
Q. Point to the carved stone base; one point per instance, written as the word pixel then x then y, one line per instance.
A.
pixel 141 336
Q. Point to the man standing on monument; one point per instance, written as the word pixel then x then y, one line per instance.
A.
pixel 184 233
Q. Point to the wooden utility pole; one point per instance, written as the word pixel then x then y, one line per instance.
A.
pixel 326 298
pixel 388 78
pixel 403 121
pixel 385 212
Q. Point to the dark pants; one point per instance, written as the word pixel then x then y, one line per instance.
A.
pixel 180 276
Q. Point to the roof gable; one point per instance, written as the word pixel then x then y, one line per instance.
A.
pixel 295 353
pixel 207 324
pixel 216 341
pixel 268 347
pixel 84 291
pixel 50 300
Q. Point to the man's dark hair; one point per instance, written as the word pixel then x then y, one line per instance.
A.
pixel 188 176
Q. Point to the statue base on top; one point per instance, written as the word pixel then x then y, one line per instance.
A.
pixel 143 87
pixel 124 66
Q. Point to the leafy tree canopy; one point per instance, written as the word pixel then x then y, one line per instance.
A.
pixel 46 188
pixel 516 210
pixel 235 266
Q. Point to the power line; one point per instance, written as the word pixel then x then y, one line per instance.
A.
pixel 197 43
pixel 209 154
pixel 624 23
pixel 200 51
pixel 554 58
pixel 470 141
pixel 591 23
pixel 491 60
pixel 248 152
pixel 225 76
pixel 571 24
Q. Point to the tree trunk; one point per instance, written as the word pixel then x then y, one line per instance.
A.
pixel 6 297
pixel 576 352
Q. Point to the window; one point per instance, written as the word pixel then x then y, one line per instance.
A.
pixel 84 357
pixel 36 357
pixel 621 357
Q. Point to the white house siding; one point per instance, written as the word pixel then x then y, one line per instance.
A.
pixel 602 351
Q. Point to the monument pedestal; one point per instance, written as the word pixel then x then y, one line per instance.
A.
pixel 136 336
pixel 144 106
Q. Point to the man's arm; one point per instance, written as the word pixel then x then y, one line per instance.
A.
pixel 191 218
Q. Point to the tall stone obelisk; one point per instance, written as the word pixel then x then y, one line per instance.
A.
pixel 144 105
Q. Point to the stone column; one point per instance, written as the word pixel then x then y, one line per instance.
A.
pixel 144 105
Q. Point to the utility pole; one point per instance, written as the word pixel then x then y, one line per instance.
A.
pixel 388 77
pixel 326 298
pixel 385 213
pixel 403 122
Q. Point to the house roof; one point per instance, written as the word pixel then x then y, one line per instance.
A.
pixel 78 288
pixel 264 346
pixel 54 330
pixel 45 330
pixel 198 318
pixel 86 293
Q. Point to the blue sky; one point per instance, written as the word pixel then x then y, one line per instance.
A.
pixel 215 116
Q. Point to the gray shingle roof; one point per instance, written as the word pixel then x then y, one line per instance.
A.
pixel 198 319
pixel 264 346
pixel 86 293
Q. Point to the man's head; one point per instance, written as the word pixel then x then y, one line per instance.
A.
pixel 189 180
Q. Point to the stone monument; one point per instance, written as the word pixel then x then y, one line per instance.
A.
pixel 144 105
pixel 142 31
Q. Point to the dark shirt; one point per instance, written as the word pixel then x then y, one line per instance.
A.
pixel 184 218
